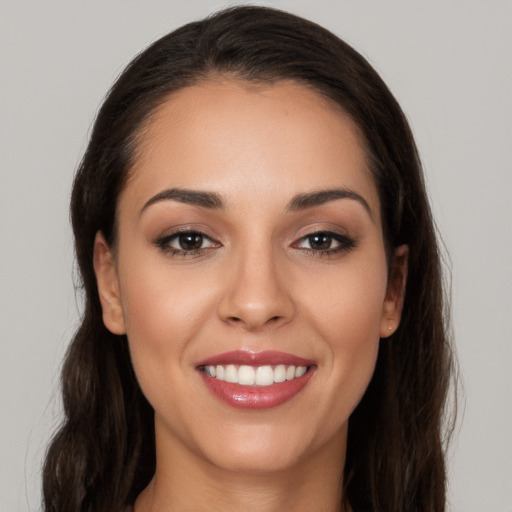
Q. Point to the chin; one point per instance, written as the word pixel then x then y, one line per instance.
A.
pixel 270 455
pixel 271 447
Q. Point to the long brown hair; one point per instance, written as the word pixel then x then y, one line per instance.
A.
pixel 103 455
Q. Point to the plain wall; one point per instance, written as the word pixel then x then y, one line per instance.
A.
pixel 449 65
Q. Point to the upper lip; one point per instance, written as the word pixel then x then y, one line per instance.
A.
pixel 244 357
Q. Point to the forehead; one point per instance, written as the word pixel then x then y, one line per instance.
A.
pixel 231 136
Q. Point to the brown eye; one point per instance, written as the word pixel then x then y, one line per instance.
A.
pixel 186 243
pixel 190 241
pixel 325 243
pixel 320 241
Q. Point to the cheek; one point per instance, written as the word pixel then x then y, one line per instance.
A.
pixel 347 303
pixel 162 314
pixel 346 312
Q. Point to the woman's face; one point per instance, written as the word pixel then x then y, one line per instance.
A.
pixel 250 274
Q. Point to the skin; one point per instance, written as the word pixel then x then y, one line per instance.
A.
pixel 256 284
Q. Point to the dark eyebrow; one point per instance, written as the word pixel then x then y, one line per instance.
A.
pixel 194 197
pixel 317 198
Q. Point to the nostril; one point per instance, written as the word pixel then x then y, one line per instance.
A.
pixel 235 320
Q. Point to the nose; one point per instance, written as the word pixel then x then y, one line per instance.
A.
pixel 256 294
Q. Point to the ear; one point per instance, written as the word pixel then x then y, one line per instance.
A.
pixel 395 293
pixel 108 286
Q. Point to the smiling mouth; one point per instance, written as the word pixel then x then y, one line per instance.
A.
pixel 246 375
pixel 252 380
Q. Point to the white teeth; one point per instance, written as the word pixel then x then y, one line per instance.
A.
pixel 300 371
pixel 280 373
pixel 231 375
pixel 264 376
pixel 255 376
pixel 246 375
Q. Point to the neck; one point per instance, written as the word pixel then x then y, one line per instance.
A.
pixel 187 482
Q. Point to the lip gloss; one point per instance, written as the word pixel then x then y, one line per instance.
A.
pixel 254 396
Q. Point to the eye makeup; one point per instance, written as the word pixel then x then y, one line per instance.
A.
pixel 324 243
pixel 186 242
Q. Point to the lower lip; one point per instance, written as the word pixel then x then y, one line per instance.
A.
pixel 256 397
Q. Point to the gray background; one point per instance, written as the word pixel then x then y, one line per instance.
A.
pixel 449 64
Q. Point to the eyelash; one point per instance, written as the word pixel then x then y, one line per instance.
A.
pixel 345 243
pixel 164 243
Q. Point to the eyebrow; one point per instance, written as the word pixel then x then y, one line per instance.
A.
pixel 210 200
pixel 320 197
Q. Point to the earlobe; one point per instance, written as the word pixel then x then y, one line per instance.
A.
pixel 108 286
pixel 395 293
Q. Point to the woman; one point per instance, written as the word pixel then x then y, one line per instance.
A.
pixel 263 325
